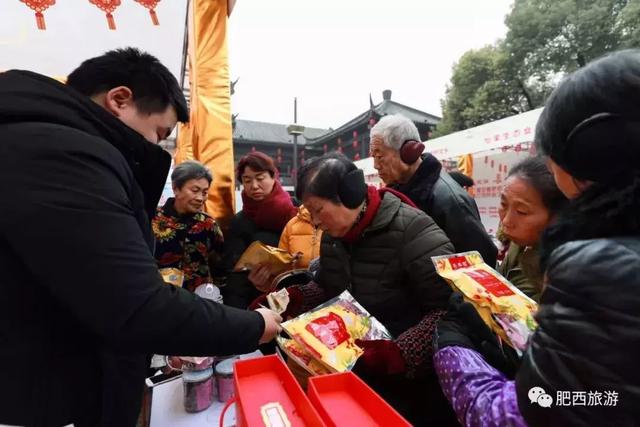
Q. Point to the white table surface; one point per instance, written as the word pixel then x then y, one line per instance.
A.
pixel 167 408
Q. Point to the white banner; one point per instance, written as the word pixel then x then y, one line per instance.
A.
pixel 507 132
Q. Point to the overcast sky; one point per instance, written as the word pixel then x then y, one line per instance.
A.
pixel 329 53
pixel 332 53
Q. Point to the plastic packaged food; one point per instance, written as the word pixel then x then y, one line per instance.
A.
pixel 259 253
pixel 172 276
pixel 502 306
pixel 301 356
pixel 329 331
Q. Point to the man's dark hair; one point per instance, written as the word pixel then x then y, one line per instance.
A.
pixel 154 87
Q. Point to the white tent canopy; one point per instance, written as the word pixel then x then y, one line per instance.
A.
pixel 501 133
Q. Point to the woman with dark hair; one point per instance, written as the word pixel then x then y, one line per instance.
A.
pixel 266 209
pixel 529 202
pixel 581 364
pixel 378 246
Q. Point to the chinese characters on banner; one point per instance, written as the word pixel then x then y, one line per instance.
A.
pixel 489 173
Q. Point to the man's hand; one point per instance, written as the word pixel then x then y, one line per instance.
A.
pixel 261 277
pixel 272 326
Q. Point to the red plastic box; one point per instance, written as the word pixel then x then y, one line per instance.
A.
pixel 266 380
pixel 345 400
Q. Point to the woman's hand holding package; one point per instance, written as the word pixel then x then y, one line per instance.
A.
pixel 272 326
pixel 462 326
pixel 261 277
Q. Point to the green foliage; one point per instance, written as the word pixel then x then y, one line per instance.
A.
pixel 481 91
pixel 546 39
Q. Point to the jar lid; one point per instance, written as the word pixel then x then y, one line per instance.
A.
pixel 225 367
pixel 195 376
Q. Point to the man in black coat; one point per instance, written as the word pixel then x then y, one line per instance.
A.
pixel 81 301
pixel 397 156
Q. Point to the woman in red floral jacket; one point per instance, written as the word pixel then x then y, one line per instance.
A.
pixel 186 236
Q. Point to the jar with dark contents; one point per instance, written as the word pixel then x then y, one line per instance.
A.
pixel 224 378
pixel 199 386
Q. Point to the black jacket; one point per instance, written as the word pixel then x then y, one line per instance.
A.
pixel 239 291
pixel 81 300
pixel 389 269
pixel 588 339
pixel 451 207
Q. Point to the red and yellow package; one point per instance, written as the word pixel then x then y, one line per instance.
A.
pixel 301 356
pixel 502 306
pixel 328 332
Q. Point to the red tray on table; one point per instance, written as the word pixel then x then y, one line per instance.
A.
pixel 263 381
pixel 345 400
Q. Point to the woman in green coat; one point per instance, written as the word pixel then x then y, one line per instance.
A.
pixel 529 202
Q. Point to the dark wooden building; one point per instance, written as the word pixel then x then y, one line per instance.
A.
pixel 352 138
pixel 271 139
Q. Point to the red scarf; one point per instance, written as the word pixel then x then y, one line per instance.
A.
pixel 271 213
pixel 374 199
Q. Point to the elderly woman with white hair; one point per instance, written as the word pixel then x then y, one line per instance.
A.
pixel 186 237
pixel 398 157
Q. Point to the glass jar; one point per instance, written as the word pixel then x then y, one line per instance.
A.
pixel 198 385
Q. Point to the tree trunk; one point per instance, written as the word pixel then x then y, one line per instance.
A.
pixel 526 94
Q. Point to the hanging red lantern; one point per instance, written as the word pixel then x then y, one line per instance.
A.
pixel 151 5
pixel 107 6
pixel 325 148
pixel 356 157
pixel 39 6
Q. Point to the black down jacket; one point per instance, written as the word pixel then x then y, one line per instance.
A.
pixel 81 301
pixel 389 269
pixel 588 340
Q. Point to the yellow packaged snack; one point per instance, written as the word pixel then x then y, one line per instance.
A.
pixel 259 253
pixel 502 306
pixel 298 353
pixel 173 276
pixel 328 332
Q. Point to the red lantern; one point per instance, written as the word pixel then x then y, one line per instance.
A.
pixel 107 6
pixel 325 148
pixel 356 156
pixel 151 5
pixel 39 6
pixel 355 144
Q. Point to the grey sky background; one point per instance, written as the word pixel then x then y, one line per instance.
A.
pixel 330 54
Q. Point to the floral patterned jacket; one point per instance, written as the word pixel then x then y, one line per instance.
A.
pixel 185 242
